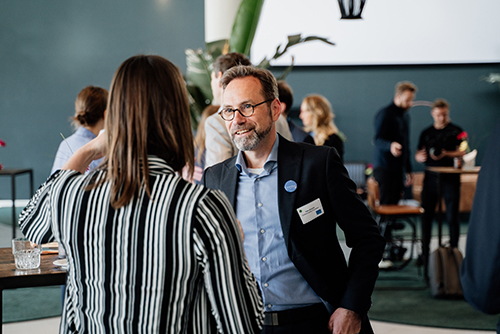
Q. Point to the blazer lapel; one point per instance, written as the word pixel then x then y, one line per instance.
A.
pixel 289 169
pixel 229 181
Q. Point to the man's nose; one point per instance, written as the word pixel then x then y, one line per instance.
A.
pixel 238 118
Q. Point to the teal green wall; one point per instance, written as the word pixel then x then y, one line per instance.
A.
pixel 51 49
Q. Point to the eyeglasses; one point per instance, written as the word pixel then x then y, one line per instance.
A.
pixel 245 110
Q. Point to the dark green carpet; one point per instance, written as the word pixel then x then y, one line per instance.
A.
pixel 31 303
pixel 402 297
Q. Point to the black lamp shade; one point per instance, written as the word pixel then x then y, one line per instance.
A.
pixel 351 9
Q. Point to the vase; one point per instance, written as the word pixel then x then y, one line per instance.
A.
pixel 469 160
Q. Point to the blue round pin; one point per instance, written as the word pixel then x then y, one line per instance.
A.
pixel 290 186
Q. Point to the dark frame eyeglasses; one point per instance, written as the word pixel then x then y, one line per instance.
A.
pixel 245 110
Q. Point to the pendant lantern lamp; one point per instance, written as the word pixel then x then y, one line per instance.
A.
pixel 351 9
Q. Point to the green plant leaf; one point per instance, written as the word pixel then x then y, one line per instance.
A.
pixel 245 25
pixel 217 48
pixel 292 40
pixel 199 69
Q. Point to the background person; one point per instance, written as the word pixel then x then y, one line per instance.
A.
pixel 286 98
pixel 289 198
pixel 438 145
pixel 199 143
pixel 317 116
pixel 148 252
pixel 392 144
pixel 392 166
pixel 90 107
pixel 480 270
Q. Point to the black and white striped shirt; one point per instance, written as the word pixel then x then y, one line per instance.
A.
pixel 170 264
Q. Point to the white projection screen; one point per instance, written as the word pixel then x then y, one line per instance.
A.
pixel 390 32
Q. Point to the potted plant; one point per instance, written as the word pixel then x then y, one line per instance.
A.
pixel 199 62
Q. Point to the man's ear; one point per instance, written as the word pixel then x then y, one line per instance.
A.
pixel 218 77
pixel 276 109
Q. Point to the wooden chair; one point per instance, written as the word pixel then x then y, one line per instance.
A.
pixel 396 219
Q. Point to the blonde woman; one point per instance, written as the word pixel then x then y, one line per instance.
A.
pixel 317 116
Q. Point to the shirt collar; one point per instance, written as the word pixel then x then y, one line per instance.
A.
pixel 158 165
pixel 270 164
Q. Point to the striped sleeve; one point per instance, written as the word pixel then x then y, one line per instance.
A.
pixel 232 289
pixel 36 218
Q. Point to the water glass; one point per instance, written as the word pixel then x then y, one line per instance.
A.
pixel 26 253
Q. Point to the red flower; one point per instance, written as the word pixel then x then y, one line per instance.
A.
pixel 2 143
pixel 462 136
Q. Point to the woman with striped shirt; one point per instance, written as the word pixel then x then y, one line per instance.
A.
pixel 147 251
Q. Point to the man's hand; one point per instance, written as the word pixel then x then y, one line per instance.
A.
pixel 344 321
pixel 241 230
pixel 396 149
pixel 409 179
pixel 443 154
pixel 421 155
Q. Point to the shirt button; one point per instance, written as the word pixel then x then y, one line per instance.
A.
pixel 266 285
pixel 258 179
pixel 264 259
pixel 269 306
pixel 260 204
pixel 262 231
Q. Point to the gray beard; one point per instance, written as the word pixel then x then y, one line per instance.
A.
pixel 248 144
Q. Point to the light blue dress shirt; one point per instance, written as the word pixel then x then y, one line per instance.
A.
pixel 69 146
pixel 282 286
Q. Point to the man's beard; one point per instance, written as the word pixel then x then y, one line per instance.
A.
pixel 250 142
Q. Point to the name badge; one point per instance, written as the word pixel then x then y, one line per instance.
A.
pixel 310 211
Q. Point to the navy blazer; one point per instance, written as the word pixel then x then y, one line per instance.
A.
pixel 314 247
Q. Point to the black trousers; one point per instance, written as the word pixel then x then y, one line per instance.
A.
pixel 318 325
pixel 390 185
pixel 450 187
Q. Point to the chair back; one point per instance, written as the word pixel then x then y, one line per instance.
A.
pixel 373 195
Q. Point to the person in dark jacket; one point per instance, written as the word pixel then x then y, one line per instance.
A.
pixel 480 271
pixel 286 98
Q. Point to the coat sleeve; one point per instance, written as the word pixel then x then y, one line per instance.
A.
pixel 232 289
pixel 361 233
pixel 480 271
pixel 218 144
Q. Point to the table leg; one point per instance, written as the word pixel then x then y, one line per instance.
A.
pixel 1 309
pixel 440 210
pixel 13 190
pixel 31 183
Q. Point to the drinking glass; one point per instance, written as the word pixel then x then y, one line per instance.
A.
pixel 26 253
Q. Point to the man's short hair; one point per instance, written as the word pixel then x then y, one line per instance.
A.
pixel 404 86
pixel 441 103
pixel 228 60
pixel 285 95
pixel 266 78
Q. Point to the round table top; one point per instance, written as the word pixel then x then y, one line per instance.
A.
pixel 452 170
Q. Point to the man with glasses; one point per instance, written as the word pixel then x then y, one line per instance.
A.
pixel 288 197
pixel 218 144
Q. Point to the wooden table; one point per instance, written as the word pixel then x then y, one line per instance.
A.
pixel 447 170
pixel 12 278
pixel 13 173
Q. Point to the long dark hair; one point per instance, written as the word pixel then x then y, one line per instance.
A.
pixel 148 114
